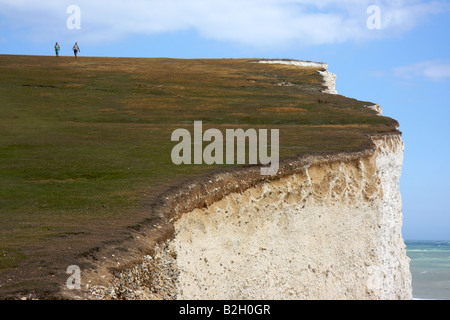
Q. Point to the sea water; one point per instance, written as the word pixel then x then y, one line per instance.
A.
pixel 430 269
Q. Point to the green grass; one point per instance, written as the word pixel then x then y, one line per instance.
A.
pixel 88 140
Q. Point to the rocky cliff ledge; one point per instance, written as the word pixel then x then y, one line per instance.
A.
pixel 327 226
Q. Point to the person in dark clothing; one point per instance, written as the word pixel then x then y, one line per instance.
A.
pixel 76 49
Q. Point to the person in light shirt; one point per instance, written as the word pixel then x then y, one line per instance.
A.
pixel 76 49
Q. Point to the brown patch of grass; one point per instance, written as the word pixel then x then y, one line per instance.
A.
pixel 283 109
pixel 237 114
pixel 73 86
pixel 341 126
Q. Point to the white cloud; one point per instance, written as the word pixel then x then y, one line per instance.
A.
pixel 432 70
pixel 246 22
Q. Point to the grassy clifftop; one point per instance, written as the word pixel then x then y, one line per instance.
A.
pixel 85 143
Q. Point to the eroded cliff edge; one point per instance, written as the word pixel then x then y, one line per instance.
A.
pixel 328 229
pixel 327 226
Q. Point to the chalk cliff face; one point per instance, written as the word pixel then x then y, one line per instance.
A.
pixel 330 231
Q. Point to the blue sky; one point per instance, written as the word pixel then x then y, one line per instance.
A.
pixel 403 64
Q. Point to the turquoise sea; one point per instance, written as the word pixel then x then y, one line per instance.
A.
pixel 430 269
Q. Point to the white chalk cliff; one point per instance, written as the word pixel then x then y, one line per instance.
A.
pixel 327 227
pixel 330 231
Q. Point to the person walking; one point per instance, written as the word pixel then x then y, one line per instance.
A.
pixel 57 49
pixel 76 49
